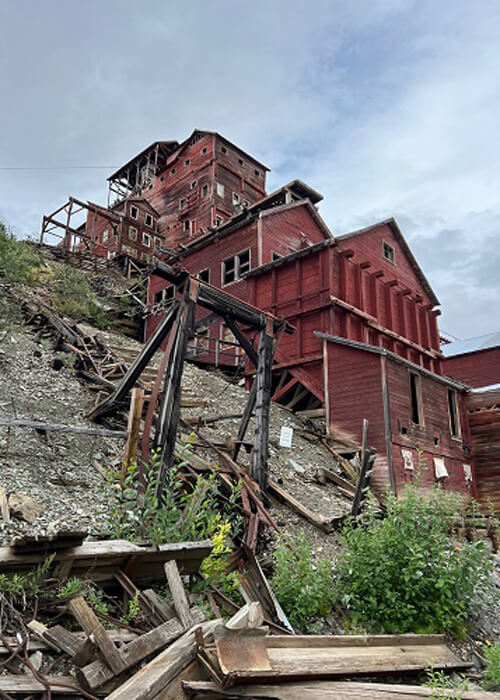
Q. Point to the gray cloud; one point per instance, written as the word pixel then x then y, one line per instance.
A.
pixel 387 107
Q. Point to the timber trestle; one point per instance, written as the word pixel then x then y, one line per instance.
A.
pixel 180 320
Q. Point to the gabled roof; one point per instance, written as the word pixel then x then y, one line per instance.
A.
pixel 480 342
pixel 243 219
pixel 398 234
pixel 143 202
pixel 202 132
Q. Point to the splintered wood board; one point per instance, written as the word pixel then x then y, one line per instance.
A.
pixel 99 561
pixel 324 657
pixel 326 690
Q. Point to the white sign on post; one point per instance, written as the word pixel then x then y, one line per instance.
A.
pixel 286 436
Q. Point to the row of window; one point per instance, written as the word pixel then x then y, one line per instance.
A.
pixel 148 219
pixel 204 152
pixel 236 198
pixel 416 406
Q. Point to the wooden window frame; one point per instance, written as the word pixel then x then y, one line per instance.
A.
pixel 182 203
pixel 134 236
pixel 453 406
pixel 151 218
pixel 105 235
pixel 236 198
pixel 236 258
pixel 204 190
pixel 220 185
pixel 200 273
pixel 384 244
pixel 418 396
pixel 132 208
pixel 146 237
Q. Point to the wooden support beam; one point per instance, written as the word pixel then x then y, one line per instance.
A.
pixel 169 412
pixel 133 427
pixel 140 362
pixel 263 382
pixel 179 596
pixel 91 625
pixel 292 502
pixel 245 420
pixel 243 341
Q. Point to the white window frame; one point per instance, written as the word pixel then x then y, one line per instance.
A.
pixel 151 219
pixel 236 258
pixel 219 220
pixel 132 237
pixel 193 185
pixel 146 239
pixel 132 209
pixel 204 190
pixel 236 198
pixel 220 189
pixel 182 203
pixel 105 235
pixel 189 227
pixel 198 275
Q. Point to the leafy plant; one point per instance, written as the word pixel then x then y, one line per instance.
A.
pixel 214 567
pixel 303 588
pixel 74 296
pixel 133 609
pixel 19 262
pixel 406 573
pixel 72 587
pixel 68 359
pixel 492 676
pixel 184 513
pixel 22 586
pixel 438 680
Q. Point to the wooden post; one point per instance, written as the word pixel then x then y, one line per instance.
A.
pixel 263 381
pixel 245 420
pixel 133 427
pixel 170 407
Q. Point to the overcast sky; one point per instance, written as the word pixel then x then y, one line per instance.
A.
pixel 387 107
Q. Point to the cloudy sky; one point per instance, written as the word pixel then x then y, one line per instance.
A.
pixel 387 107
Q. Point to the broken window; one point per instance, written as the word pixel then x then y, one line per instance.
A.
pixel 186 162
pixel 132 233
pixel 257 173
pixel 204 275
pixel 193 184
pixel 275 256
pixel 134 212
pixel 219 220
pixel 149 221
pixel 234 268
pixel 146 240
pixel 105 235
pixel 416 409
pixel 236 198
pixel 204 151
pixel 187 225
pixel 220 189
pixel 182 203
pixel 453 413
pixel 204 190
pixel 240 161
pixel 224 150
pixel 389 253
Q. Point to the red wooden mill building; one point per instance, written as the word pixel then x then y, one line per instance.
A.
pixel 366 343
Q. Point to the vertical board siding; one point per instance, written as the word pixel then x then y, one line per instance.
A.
pixel 484 421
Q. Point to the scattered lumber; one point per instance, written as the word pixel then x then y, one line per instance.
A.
pixel 316 657
pixel 321 523
pixel 179 596
pixel 152 678
pixel 100 560
pixel 326 690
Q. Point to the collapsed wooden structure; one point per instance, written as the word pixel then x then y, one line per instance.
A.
pixel 180 319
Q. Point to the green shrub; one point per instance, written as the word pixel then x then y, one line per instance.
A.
pixel 492 677
pixel 19 262
pixel 440 681
pixel 74 296
pixel 185 513
pixel 303 588
pixel 406 573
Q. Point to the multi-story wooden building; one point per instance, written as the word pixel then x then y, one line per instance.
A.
pixel 366 341
pixel 475 361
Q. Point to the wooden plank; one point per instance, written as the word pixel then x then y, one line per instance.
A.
pixel 60 428
pixel 321 523
pixel 91 625
pixel 97 673
pixel 263 381
pixel 338 480
pixel 176 586
pixel 15 684
pixel 57 637
pixel 312 413
pixel 152 678
pixel 4 505
pixel 326 690
pixel 133 427
pixel 174 690
pixel 343 463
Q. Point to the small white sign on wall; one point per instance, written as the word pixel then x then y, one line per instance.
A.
pixel 286 436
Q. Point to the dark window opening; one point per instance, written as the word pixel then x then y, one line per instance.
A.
pixel 452 408
pixel 257 173
pixel 158 297
pixel 204 151
pixel 134 212
pixel 389 253
pixel 276 256
pixel 240 161
pixel 243 262
pixel 436 440
pixel 415 398
pixel 186 162
pixel 193 184
pixel 187 225
pixel 404 430
pixel 204 275
pixel 149 220
pixel 224 150
pixel 229 270
pixel 204 190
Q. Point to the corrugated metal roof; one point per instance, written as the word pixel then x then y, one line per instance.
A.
pixel 481 342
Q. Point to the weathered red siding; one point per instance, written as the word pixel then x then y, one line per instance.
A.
pixel 481 368
pixel 484 420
